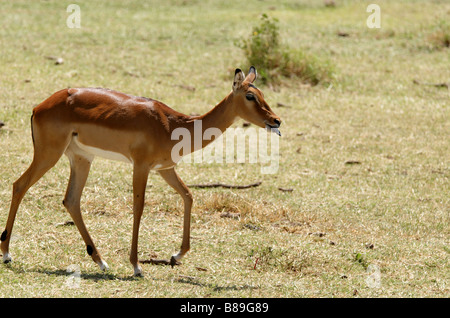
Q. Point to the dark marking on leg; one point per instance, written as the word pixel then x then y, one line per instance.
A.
pixel 89 249
pixel 4 234
pixel 32 133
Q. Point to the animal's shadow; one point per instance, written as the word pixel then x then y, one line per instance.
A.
pixel 18 268
pixel 105 276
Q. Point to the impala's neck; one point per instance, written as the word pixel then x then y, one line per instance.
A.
pixel 206 128
pixel 221 116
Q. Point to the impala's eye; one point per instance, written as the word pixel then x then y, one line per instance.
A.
pixel 250 97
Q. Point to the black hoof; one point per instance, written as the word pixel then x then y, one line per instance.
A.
pixel 6 259
pixel 174 262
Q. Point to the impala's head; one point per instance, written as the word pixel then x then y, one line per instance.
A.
pixel 250 103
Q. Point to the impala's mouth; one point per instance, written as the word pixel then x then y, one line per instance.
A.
pixel 273 128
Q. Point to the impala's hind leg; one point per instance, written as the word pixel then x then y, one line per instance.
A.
pixel 45 157
pixel 80 164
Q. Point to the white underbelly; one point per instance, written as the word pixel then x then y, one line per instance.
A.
pixel 102 153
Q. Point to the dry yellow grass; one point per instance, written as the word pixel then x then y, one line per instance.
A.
pixel 389 209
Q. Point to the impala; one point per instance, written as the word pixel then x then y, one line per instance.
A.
pixel 86 122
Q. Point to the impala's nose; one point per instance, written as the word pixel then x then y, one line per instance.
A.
pixel 277 121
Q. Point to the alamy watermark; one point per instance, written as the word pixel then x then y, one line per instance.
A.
pixel 74 279
pixel 374 20
pixel 373 278
pixel 74 19
pixel 236 145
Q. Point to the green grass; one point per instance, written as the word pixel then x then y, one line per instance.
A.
pixel 391 209
pixel 275 62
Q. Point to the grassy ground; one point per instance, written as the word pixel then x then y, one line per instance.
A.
pixel 389 210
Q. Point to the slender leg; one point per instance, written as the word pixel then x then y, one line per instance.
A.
pixel 140 176
pixel 79 170
pixel 172 178
pixel 43 160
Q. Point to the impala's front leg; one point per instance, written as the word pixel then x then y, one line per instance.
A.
pixel 175 182
pixel 140 176
pixel 79 170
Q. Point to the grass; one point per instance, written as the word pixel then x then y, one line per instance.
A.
pixel 275 62
pixel 440 37
pixel 367 157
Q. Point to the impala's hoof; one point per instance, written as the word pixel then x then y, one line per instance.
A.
pixel 138 271
pixel 173 261
pixel 6 258
pixel 103 266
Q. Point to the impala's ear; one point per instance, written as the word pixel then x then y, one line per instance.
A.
pixel 252 75
pixel 239 78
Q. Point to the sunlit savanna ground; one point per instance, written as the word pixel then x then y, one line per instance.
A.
pixel 389 211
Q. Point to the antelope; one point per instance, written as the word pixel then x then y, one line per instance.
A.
pixel 86 122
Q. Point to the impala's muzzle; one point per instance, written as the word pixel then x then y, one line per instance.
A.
pixel 274 127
